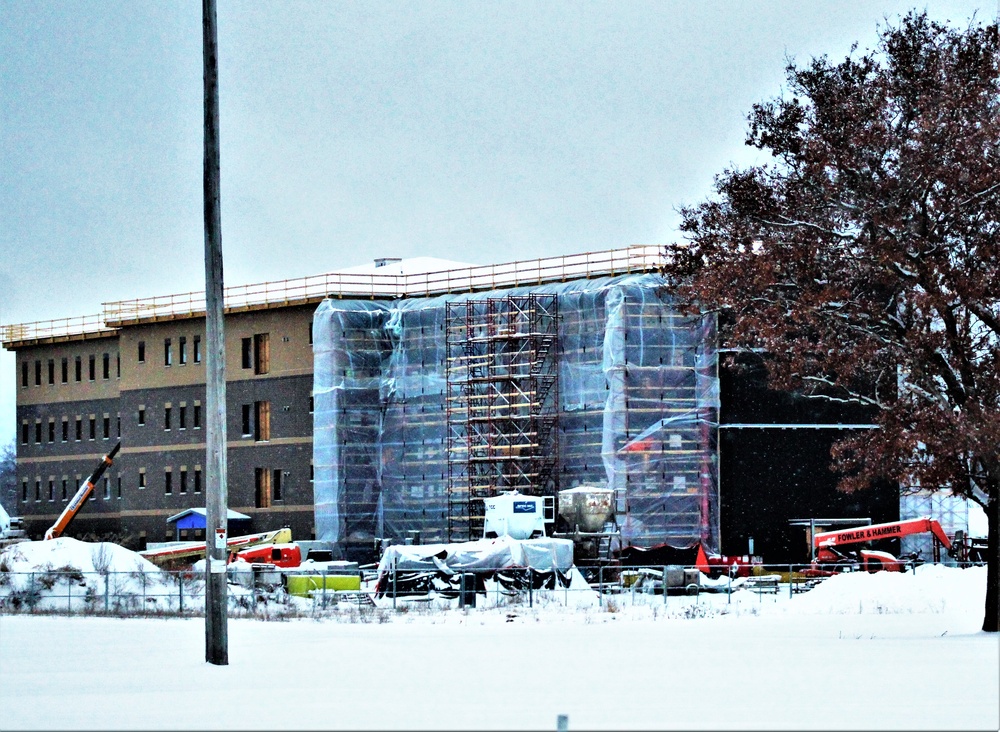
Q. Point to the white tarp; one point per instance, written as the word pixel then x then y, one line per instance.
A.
pixel 542 554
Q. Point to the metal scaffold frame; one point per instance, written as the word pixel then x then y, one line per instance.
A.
pixel 502 403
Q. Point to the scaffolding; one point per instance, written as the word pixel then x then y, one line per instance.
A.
pixel 398 430
pixel 502 403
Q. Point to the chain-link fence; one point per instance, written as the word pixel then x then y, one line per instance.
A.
pixel 265 591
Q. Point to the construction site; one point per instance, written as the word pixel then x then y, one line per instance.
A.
pixel 564 404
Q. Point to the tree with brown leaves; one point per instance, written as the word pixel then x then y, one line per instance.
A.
pixel 864 257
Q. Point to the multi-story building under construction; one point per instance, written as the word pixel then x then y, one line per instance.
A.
pixel 388 402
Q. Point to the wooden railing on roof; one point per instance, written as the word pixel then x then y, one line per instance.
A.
pixel 53 329
pixel 351 285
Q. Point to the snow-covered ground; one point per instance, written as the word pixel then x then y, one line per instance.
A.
pixel 882 651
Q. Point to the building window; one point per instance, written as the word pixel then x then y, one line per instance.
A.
pixel 118 365
pixel 246 353
pixel 52 371
pixel 93 427
pixel 106 366
pixel 310 333
pixel 107 426
pixel 52 489
pixel 78 369
pixel 79 428
pixel 196 349
pixel 276 484
pixel 182 416
pixel 52 430
pixel 262 426
pixel 65 488
pixel 25 431
pixel 65 429
pixel 182 350
pixel 141 352
pixel 246 420
pixel 38 373
pixel 107 488
pixel 183 484
pixel 118 425
pixel 64 370
pixel 256 353
pixel 92 367
pixel 24 374
pixel 312 404
pixel 38 489
pixel 168 355
pixel 262 483
pixel 24 490
pixel 93 491
pixel 197 479
pixel 119 486
pixel 312 472
pixel 142 415
pixel 168 481
pixel 38 433
pixel 142 478
pixel 166 417
pixel 196 416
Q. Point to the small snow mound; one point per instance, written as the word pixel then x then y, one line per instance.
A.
pixel 931 589
pixel 82 556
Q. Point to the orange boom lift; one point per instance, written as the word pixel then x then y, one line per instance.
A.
pixel 825 542
pixel 74 506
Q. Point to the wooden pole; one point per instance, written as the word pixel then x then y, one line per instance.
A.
pixel 216 635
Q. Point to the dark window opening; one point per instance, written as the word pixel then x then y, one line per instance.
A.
pixel 38 433
pixel 64 370
pixel 106 366
pixel 182 417
pixel 142 351
pixel 79 429
pixel 107 428
pixel 92 367
pixel 166 418
pixel 262 423
pixel 196 417
pixel 168 355
pixel 182 350
pixel 184 481
pixel 38 373
pixel 246 426
pixel 168 482
pixel 24 374
pixel 52 431
pixel 93 428
pixel 78 369
pixel 196 349
pixel 142 416
pixel 52 371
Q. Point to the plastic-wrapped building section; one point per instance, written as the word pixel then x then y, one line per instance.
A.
pixel 636 391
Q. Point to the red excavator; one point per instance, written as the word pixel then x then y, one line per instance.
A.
pixel 827 546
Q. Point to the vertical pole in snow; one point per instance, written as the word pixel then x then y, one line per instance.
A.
pixel 216 632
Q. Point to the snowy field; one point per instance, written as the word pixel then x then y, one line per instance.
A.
pixel 883 651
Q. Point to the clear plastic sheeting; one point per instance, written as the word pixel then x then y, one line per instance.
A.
pixel 638 412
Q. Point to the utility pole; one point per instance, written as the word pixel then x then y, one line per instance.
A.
pixel 216 634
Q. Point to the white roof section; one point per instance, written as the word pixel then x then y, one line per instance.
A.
pixel 230 514
pixel 409 266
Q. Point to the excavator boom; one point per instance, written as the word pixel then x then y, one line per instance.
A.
pixel 74 506
pixel 891 530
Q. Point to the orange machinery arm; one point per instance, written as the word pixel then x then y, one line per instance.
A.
pixel 891 530
pixel 74 506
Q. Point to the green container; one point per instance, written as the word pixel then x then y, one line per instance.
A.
pixel 301 585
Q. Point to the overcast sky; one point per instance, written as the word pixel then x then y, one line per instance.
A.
pixel 475 131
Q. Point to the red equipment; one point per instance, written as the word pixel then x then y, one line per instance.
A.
pixel 825 543
pixel 76 503
pixel 280 555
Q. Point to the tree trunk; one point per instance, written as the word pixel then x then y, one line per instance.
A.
pixel 991 619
